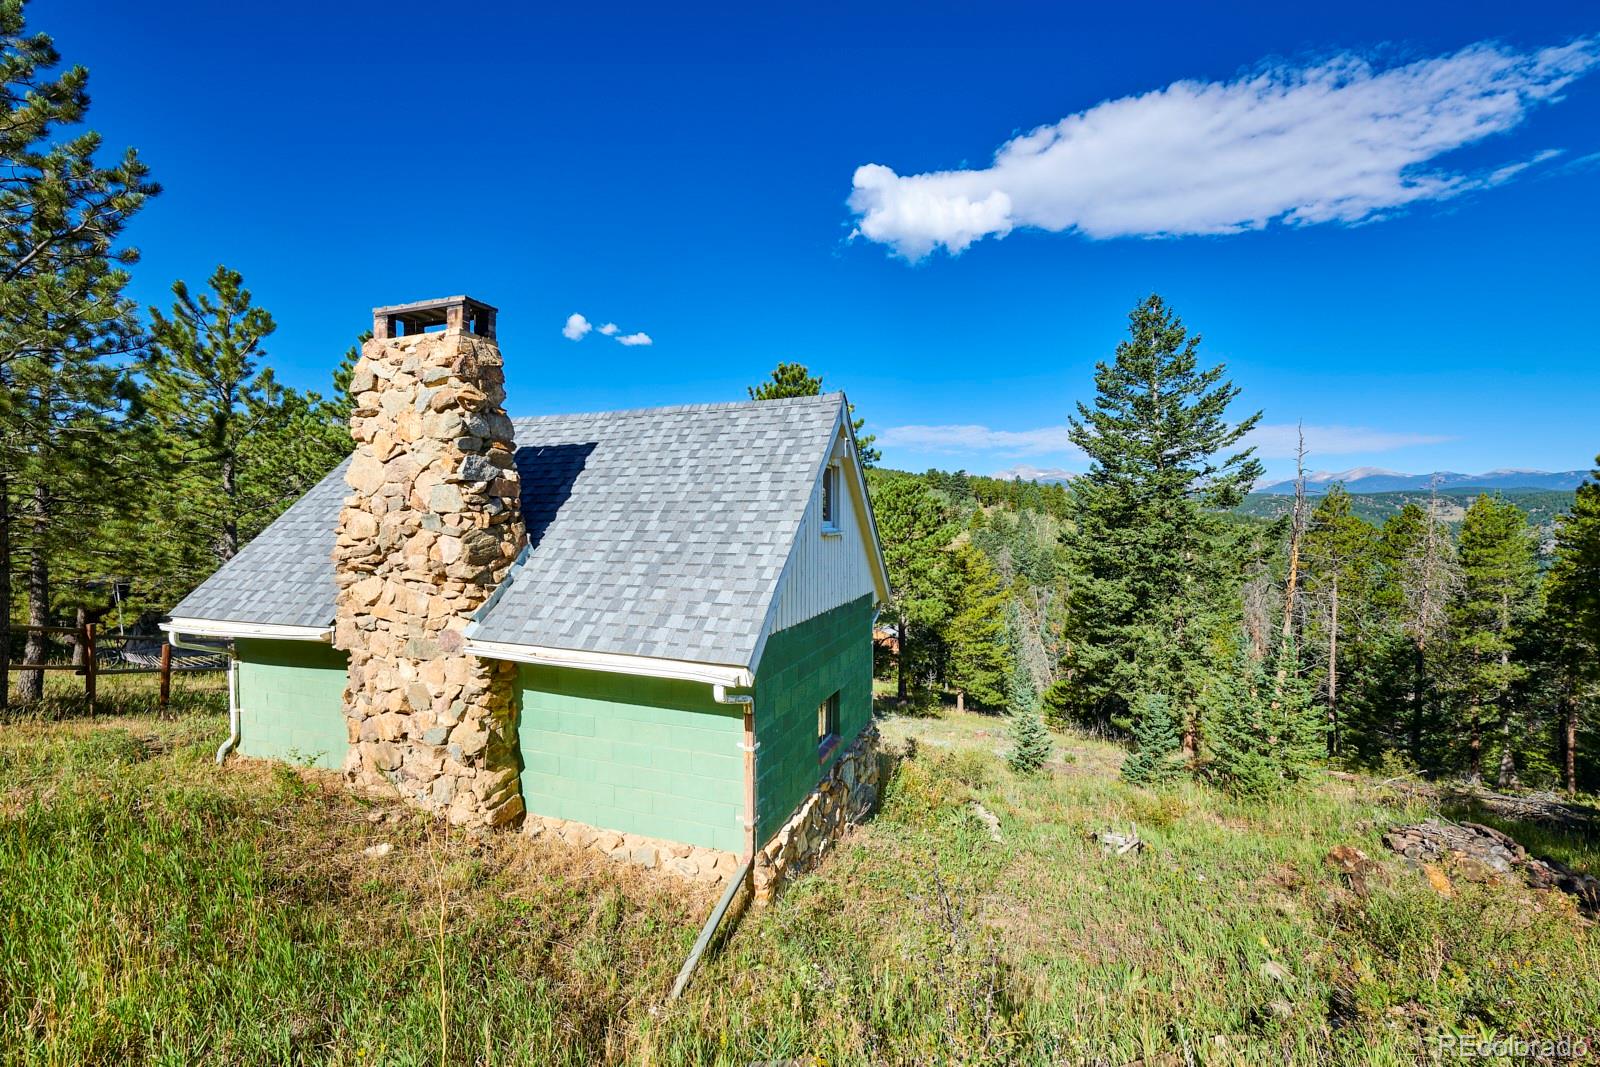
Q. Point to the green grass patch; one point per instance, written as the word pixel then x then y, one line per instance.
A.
pixel 157 909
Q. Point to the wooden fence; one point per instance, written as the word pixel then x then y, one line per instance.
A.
pixel 89 644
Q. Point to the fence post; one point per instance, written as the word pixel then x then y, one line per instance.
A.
pixel 166 674
pixel 88 664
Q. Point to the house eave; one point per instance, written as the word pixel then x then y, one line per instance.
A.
pixel 614 663
pixel 270 630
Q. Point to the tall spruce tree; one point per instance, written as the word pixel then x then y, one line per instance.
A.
pixel 914 531
pixel 793 379
pixel 1156 559
pixel 1340 555
pixel 1157 754
pixel 979 656
pixel 1498 598
pixel 63 318
pixel 210 396
pixel 1574 618
pixel 1244 756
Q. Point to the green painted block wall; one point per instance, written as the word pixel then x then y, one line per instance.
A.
pixel 642 755
pixel 291 702
pixel 800 668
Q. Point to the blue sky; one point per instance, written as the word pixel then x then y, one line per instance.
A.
pixel 1382 217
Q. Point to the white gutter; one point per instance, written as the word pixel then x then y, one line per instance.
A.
pixel 613 662
pixel 222 628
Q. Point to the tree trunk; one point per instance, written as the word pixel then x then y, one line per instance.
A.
pixel 229 544
pixel 900 657
pixel 1570 740
pixel 1333 669
pixel 1506 776
pixel 5 588
pixel 1475 748
pixel 31 683
pixel 961 700
pixel 1419 665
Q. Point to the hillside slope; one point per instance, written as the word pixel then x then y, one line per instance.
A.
pixel 160 908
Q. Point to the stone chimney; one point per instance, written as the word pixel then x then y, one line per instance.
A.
pixel 431 527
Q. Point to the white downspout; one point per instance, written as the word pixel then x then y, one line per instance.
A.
pixel 233 690
pixel 719 693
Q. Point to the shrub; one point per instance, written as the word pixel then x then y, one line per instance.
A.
pixel 1156 758
pixel 1030 742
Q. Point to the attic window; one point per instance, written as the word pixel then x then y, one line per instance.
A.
pixel 830 499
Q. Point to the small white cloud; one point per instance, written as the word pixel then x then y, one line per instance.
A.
pixel 577 326
pixel 1337 141
pixel 609 329
pixel 972 438
pixel 635 339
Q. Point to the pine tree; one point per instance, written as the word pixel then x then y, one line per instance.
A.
pixel 1574 618
pixel 793 379
pixel 978 655
pixel 1031 744
pixel 1297 726
pixel 1340 555
pixel 1498 597
pixel 210 397
pixel 236 446
pixel 1156 561
pixel 914 530
pixel 1244 749
pixel 1420 580
pixel 63 319
pixel 1158 744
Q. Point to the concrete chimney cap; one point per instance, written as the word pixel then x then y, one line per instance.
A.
pixel 451 312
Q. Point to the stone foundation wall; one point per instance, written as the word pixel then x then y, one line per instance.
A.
pixel 845 796
pixel 430 530
pixel 705 865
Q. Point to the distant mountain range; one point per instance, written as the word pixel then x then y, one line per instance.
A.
pixel 1377 480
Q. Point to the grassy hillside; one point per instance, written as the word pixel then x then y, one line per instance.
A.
pixel 1540 505
pixel 157 909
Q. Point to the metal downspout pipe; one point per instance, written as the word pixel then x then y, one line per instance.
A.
pixel 233 690
pixel 719 693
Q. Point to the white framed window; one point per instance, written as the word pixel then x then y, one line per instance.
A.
pixel 830 499
pixel 827 726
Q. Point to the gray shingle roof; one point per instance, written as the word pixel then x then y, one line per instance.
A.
pixel 283 576
pixel 658 532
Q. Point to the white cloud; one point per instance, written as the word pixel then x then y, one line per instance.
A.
pixel 1279 441
pixel 967 438
pixel 577 326
pixel 1271 441
pixel 1030 473
pixel 1337 141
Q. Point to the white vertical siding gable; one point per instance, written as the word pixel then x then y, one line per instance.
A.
pixel 827 569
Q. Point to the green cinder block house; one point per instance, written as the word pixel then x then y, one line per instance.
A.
pixel 634 626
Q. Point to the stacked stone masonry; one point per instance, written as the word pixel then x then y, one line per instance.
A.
pixel 844 797
pixel 432 527
pixel 705 865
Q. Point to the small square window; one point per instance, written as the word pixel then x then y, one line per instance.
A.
pixel 827 725
pixel 830 498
